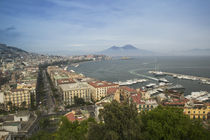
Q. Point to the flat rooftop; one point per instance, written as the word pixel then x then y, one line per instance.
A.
pixel 74 86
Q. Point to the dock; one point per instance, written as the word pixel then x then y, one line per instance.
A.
pixel 203 80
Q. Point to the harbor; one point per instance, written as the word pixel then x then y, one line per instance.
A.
pixel 202 80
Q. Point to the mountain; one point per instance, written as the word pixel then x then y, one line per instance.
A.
pixel 9 52
pixel 127 50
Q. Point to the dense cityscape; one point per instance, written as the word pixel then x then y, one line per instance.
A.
pixel 38 91
pixel 104 70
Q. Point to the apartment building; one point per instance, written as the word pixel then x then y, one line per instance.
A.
pixel 70 91
pixel 100 88
pixel 17 98
pixel 198 112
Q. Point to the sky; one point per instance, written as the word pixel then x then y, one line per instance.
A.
pixel 57 26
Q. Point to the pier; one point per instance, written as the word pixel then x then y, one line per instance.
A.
pixel 203 80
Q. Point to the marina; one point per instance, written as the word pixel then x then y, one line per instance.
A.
pixel 202 80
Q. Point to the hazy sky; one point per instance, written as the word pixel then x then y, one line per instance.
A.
pixel 75 25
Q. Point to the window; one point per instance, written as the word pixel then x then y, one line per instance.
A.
pixel 193 116
pixel 203 112
pixel 204 117
pixel 188 112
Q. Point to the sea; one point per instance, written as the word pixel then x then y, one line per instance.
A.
pixel 119 69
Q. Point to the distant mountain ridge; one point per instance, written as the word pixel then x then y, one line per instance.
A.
pixel 126 50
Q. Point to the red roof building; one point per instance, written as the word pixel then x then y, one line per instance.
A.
pixel 99 84
pixel 65 81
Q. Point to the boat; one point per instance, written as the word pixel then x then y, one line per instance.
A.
pixel 75 65
pixel 157 73
pixel 65 68
pixel 72 71
pixel 163 80
pixel 130 82
pixel 151 85
pixel 176 87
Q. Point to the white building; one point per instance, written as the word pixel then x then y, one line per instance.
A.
pixel 22 116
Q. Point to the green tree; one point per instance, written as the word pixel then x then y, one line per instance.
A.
pixel 73 130
pixel 23 104
pixel 169 123
pixel 41 135
pixel 79 101
pixel 121 122
pixel 44 123
pixel 10 105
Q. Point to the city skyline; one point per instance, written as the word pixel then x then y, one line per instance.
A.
pixel 91 25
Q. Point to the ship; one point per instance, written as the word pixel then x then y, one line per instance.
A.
pixel 163 80
pixel 151 85
pixel 176 88
pixel 75 65
pixel 130 82
pixel 157 73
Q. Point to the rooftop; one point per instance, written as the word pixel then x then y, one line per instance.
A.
pixel 136 98
pixel 74 86
pixel 128 89
pixel 65 81
pixel 111 90
pixel 98 84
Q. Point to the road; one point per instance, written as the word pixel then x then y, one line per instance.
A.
pixel 50 103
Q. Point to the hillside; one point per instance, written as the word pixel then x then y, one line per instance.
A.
pixel 11 52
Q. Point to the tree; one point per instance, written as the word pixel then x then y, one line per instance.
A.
pixel 10 105
pixel 73 130
pixel 23 104
pixel 121 122
pixel 44 123
pixel 41 135
pixel 79 101
pixel 170 123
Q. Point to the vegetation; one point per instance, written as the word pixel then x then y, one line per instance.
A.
pixel 122 122
pixel 170 123
pixel 44 123
pixel 73 130
pixel 42 135
pixel 79 101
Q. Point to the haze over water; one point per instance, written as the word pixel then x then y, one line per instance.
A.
pixel 122 70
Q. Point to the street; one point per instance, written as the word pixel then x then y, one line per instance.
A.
pixel 50 103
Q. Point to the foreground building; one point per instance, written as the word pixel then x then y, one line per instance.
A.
pixel 17 98
pixel 70 91
pixel 100 88
pixel 198 112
